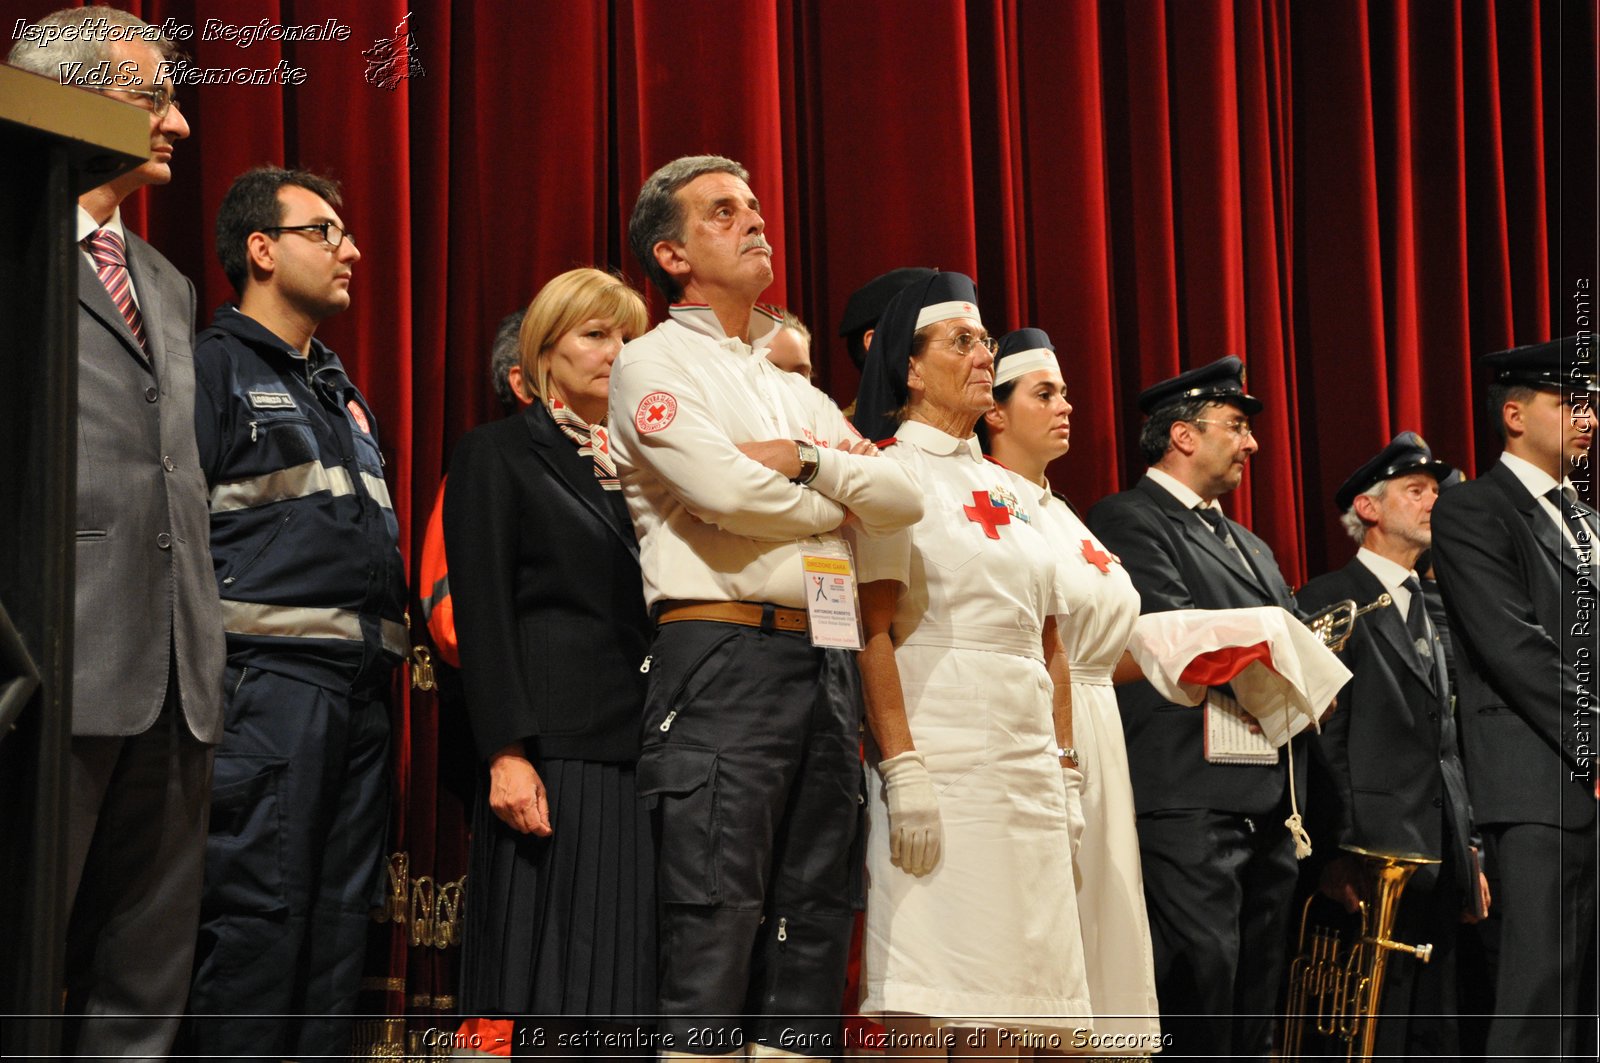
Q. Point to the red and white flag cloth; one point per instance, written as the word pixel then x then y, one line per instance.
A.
pixel 1280 671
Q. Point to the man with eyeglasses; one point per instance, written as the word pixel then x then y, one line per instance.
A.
pixel 738 477
pixel 147 632
pixel 1515 553
pixel 305 543
pixel 1218 861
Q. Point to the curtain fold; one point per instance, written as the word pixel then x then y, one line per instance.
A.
pixel 1358 198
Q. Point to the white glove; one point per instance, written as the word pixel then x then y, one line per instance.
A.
pixel 915 834
pixel 1075 819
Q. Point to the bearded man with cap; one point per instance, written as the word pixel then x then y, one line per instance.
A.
pixel 1514 550
pixel 1390 750
pixel 972 920
pixel 735 474
pixel 1219 866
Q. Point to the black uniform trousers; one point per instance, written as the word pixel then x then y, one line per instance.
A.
pixel 1547 959
pixel 299 811
pixel 751 767
pixel 1217 886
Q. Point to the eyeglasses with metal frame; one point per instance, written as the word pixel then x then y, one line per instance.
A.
pixel 1239 426
pixel 161 100
pixel 963 343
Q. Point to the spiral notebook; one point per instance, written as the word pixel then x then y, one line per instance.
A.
pixel 1228 737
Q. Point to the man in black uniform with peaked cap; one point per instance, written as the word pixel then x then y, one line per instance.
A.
pixel 1219 866
pixel 1515 553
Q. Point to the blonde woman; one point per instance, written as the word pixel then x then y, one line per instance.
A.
pixel 544 573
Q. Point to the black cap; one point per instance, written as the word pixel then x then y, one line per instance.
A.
pixel 883 378
pixel 866 304
pixel 1406 453
pixel 1556 365
pixel 1221 381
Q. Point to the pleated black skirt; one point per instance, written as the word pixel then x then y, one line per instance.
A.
pixel 563 925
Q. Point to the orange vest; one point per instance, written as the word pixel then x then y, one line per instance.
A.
pixel 434 583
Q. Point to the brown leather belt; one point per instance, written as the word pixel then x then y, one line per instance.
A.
pixel 748 614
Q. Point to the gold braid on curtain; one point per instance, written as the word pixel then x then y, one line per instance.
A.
pixel 433 909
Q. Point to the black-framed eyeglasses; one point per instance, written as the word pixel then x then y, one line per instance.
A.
pixel 963 342
pixel 1239 426
pixel 161 100
pixel 331 234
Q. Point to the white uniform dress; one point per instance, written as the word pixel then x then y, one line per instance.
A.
pixel 990 936
pixel 1102 606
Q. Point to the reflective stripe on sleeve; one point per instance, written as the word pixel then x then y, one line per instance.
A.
pixel 291 621
pixel 377 489
pixel 395 638
pixel 307 622
pixel 297 481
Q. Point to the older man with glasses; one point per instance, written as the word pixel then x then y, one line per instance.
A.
pixel 1219 864
pixel 147 634
pixel 305 542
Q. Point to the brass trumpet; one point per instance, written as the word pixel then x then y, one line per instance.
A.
pixel 1334 624
pixel 1338 988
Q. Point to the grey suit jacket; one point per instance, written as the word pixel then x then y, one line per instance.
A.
pixel 145 592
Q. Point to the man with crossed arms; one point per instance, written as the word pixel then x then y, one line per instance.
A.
pixel 732 469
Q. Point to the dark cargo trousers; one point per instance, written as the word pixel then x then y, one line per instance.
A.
pixel 299 812
pixel 751 766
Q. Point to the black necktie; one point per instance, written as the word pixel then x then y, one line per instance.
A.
pixel 1213 517
pixel 1566 502
pixel 1417 624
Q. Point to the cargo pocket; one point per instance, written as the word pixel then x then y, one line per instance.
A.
pixel 679 786
pixel 244 851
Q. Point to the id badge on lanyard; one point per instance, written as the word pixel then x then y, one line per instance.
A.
pixel 833 609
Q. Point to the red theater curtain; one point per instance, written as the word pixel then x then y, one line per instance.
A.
pixel 1358 198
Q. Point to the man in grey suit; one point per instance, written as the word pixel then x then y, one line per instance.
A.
pixel 148 648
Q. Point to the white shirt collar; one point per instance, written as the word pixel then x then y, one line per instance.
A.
pixel 1391 574
pixel 699 317
pixel 1536 480
pixel 87 225
pixel 928 438
pixel 1180 490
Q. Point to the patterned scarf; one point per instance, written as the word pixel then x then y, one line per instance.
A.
pixel 593 441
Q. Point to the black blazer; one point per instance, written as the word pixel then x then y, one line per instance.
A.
pixel 1390 746
pixel 1524 630
pixel 1177 562
pixel 549 607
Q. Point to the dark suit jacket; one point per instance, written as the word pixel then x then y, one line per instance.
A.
pixel 144 587
pixel 1177 562
pixel 549 605
pixel 1524 630
pixel 1390 746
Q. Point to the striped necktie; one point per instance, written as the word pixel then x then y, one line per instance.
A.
pixel 111 263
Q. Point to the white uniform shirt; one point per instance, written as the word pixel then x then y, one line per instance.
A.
pixel 976 573
pixel 713 524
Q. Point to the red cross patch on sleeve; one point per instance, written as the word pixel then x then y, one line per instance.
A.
pixel 656 411
pixel 358 415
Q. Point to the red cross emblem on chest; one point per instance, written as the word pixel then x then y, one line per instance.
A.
pixel 984 511
pixel 1092 554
